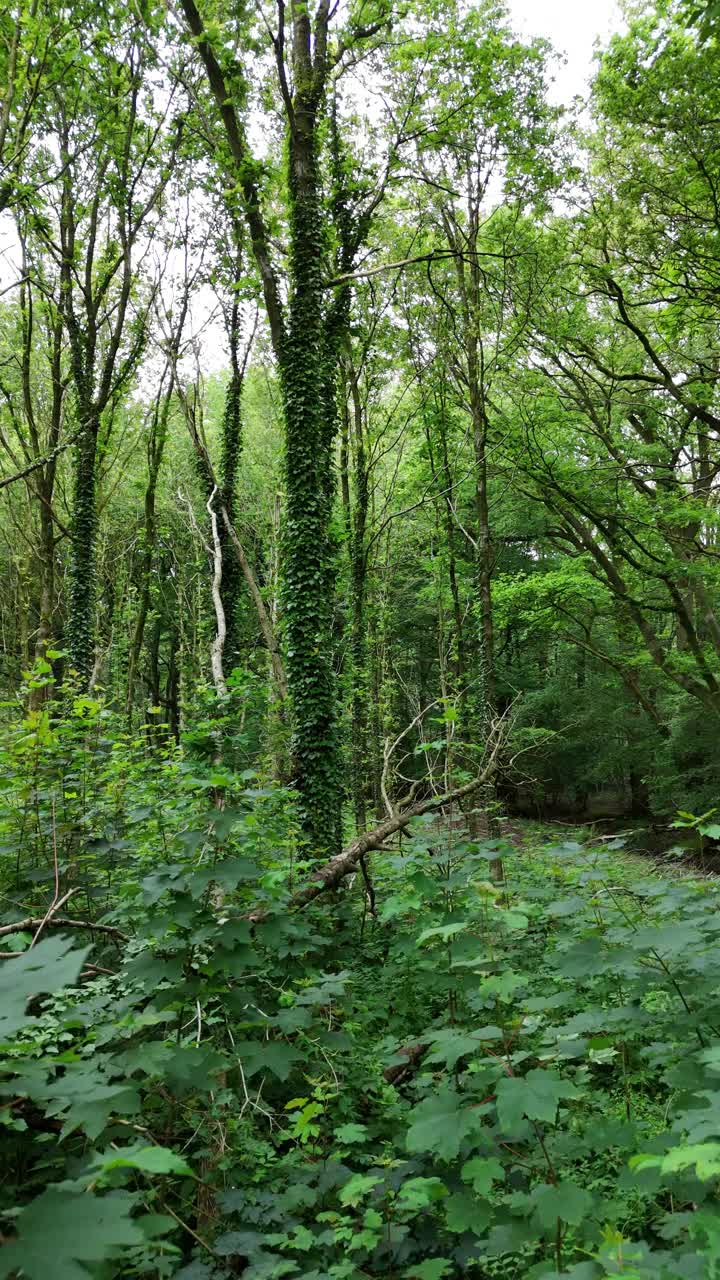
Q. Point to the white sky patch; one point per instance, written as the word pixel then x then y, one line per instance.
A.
pixel 572 27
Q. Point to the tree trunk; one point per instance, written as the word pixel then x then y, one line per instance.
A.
pixel 307 570
pixel 81 619
pixel 357 524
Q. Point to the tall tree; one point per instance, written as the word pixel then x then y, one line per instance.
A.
pixel 306 335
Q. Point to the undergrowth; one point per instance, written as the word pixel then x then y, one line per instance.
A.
pixel 502 1080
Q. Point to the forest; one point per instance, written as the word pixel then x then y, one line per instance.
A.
pixel 359 644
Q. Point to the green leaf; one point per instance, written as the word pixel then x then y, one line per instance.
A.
pixel 444 932
pixel 464 1212
pixel 431 1269
pixel 441 1123
pixel 60 1231
pixel 358 1187
pixel 703 1156
pixel 418 1193
pixel 52 963
pixel 481 1173
pixel 449 1046
pixel 535 1095
pixel 85 1098
pixel 513 920
pixel 565 1200
pixel 267 1055
pixel 351 1133
pixel 148 1159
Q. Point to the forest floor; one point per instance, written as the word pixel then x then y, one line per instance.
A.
pixel 638 848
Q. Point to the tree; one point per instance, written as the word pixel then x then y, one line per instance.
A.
pixel 307 336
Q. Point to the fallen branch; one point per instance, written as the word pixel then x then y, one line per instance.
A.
pixel 61 922
pixel 331 873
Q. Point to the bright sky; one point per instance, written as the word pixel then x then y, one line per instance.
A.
pixel 572 26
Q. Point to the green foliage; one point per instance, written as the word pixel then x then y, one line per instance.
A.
pixel 494 1057
pixel 225 1079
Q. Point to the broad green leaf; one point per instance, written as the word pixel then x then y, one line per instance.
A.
pixel 431 1269
pixel 481 1172
pixel 464 1212
pixel 441 1123
pixel 449 1046
pixel 86 1098
pixel 59 1232
pixel 53 963
pixel 351 1133
pixel 358 1187
pixel 148 1159
pixel 267 1055
pixel 704 1157
pixel 417 1193
pixel 565 1200
pixel 535 1095
pixel 443 932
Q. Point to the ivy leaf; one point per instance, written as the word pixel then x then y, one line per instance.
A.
pixel 59 1232
pixel 441 1123
pixel 535 1095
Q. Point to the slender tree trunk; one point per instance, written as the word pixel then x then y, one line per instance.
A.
pixel 230 463
pixel 172 687
pixel 156 447
pixel 442 476
pixel 482 824
pixel 46 595
pixel 82 595
pixel 357 525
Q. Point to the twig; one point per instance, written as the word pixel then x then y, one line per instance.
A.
pixel 55 905
pixel 189 1230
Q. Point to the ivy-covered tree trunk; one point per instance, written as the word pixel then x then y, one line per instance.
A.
pixel 232 584
pixel 356 525
pixel 81 620
pixel 306 337
pixel 307 568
